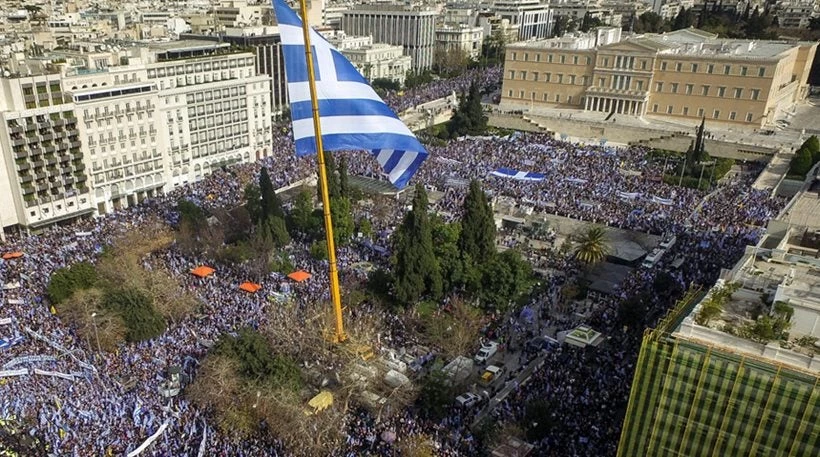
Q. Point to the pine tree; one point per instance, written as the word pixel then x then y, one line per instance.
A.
pixel 477 237
pixel 416 268
pixel 271 204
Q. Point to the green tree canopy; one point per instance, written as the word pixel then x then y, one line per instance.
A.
pixel 65 281
pixel 253 201
pixel 505 277
pixel 302 218
pixel 801 162
pixel 271 205
pixel 477 237
pixel 591 245
pixel 258 360
pixel 142 321
pixel 469 117
pixel 416 270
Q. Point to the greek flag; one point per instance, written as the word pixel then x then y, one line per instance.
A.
pixel 352 115
pixel 519 175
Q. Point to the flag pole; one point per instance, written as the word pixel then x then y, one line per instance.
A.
pixel 335 295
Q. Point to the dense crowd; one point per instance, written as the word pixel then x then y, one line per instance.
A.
pixel 90 403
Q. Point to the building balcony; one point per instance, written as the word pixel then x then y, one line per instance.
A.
pixel 23 166
pixel 26 179
pixel 20 154
pixel 18 142
pixel 38 164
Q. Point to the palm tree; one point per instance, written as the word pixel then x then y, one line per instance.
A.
pixel 591 246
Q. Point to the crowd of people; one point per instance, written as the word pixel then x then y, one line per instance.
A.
pixel 82 402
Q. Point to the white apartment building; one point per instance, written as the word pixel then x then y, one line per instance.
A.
pixel 42 169
pixel 380 61
pixel 796 13
pixel 167 115
pixel 460 36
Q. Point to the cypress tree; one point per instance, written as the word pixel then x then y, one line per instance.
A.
pixel 332 178
pixel 344 183
pixel 477 238
pixel 271 204
pixel 416 268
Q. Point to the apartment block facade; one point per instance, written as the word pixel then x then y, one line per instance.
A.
pixel 43 175
pixel 127 128
pixel 685 75
pixel 413 29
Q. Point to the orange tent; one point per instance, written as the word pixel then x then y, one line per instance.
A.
pixel 250 287
pixel 299 276
pixel 202 271
pixel 12 255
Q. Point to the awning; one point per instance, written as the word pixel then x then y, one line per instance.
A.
pixel 250 287
pixel 299 276
pixel 202 271
pixel 12 255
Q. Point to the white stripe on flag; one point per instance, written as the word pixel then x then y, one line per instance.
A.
pixel 303 128
pixel 406 160
pixel 300 92
pixel 384 156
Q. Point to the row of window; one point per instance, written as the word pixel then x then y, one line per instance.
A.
pixel 623 82
pixel 545 97
pixel 220 132
pixel 192 68
pixel 629 62
pixel 706 91
pixel 217 107
pixel 716 114
pixel 548 77
pixel 560 58
pixel 215 94
pixel 710 69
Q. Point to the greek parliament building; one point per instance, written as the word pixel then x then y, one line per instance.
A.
pixel 740 383
pixel 88 130
pixel 413 29
pixel 680 76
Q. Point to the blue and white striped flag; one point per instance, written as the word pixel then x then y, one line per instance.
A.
pixel 519 175
pixel 352 115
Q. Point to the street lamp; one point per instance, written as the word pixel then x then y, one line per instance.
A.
pixel 96 335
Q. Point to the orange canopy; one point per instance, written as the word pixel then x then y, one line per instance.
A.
pixel 202 271
pixel 299 276
pixel 250 287
pixel 12 255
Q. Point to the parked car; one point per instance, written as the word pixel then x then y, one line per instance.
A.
pixel 468 400
pixel 491 374
pixel 541 343
pixel 486 352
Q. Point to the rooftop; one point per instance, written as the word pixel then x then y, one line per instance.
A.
pixel 768 304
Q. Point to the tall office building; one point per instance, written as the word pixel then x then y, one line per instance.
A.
pixel 534 19
pixel 413 29
pixel 109 128
pixel 745 382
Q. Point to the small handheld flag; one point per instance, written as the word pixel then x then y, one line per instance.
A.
pixel 352 115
